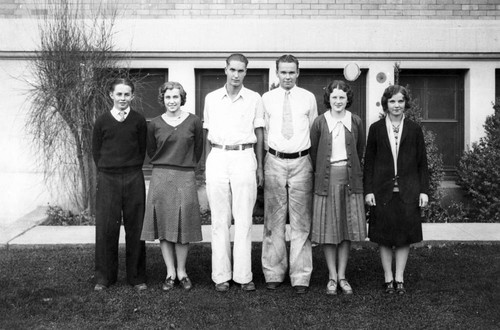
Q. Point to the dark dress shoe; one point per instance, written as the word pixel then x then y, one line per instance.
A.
pixel 400 289
pixel 168 284
pixel 100 287
pixel 248 286
pixel 272 285
pixel 389 287
pixel 140 287
pixel 222 287
pixel 301 289
pixel 186 283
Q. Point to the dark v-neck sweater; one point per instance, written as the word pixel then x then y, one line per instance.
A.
pixel 119 147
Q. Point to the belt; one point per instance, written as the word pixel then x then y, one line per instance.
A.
pixel 233 146
pixel 288 156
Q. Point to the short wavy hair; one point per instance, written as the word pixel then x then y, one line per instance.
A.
pixel 168 86
pixel 393 90
pixel 338 84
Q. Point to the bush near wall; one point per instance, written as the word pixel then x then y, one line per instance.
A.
pixel 479 173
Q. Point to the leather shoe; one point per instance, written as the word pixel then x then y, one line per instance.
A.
pixel 331 287
pixel 140 287
pixel 248 286
pixel 389 287
pixel 222 287
pixel 168 284
pixel 345 286
pixel 301 289
pixel 186 283
pixel 100 287
pixel 400 289
pixel 272 285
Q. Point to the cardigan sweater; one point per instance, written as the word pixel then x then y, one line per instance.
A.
pixel 321 152
pixel 413 174
pixel 119 147
pixel 179 146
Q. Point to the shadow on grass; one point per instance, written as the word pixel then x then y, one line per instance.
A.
pixel 454 286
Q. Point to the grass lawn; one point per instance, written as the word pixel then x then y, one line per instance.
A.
pixel 449 287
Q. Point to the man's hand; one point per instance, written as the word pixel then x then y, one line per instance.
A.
pixel 260 177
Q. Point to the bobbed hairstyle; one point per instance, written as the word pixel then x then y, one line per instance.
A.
pixel 393 90
pixel 169 85
pixel 338 84
pixel 287 59
pixel 237 57
pixel 120 81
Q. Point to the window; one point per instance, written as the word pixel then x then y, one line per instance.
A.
pixel 440 94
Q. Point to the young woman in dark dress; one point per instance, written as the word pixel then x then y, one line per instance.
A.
pixel 175 146
pixel 396 184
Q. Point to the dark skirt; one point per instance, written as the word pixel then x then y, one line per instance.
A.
pixel 396 223
pixel 172 207
pixel 339 216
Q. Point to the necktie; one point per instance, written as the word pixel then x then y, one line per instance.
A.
pixel 122 115
pixel 287 125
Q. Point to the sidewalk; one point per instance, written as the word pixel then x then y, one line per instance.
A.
pixel 26 232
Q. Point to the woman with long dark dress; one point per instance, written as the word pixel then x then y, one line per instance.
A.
pixel 396 184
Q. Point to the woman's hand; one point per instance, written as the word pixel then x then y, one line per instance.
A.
pixel 370 199
pixel 423 200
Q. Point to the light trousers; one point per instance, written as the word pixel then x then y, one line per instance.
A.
pixel 288 189
pixel 232 192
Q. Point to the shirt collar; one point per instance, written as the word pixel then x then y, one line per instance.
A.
pixel 331 122
pixel 115 111
pixel 243 93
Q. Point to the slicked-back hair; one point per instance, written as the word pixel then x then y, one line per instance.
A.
pixel 120 81
pixel 237 57
pixel 169 85
pixel 287 58
pixel 338 84
pixel 393 90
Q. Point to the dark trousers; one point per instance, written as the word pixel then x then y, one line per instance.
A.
pixel 120 195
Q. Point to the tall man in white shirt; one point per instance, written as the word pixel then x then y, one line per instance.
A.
pixel 289 112
pixel 234 118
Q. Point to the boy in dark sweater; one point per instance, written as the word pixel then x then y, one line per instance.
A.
pixel 119 147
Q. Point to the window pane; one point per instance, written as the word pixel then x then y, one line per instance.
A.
pixel 147 82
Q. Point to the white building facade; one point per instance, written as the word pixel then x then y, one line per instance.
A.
pixel 448 52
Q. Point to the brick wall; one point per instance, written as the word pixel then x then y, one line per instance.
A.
pixel 272 9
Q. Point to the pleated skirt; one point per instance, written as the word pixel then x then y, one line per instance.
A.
pixel 172 207
pixel 395 223
pixel 340 215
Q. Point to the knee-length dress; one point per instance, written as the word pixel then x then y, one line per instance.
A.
pixel 338 207
pixel 172 207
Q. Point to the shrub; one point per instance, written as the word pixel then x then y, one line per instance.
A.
pixel 479 172
pixel 57 216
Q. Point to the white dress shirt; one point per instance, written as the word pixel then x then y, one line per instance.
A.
pixel 304 111
pixel 231 122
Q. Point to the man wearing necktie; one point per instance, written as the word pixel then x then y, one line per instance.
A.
pixel 288 174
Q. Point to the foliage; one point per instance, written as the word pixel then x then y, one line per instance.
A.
pixel 60 217
pixel 479 172
pixel 70 70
